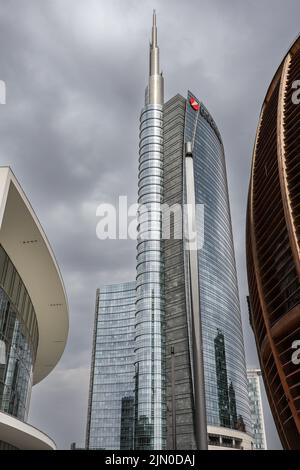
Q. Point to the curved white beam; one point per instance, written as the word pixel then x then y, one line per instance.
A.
pixel 22 435
pixel 25 242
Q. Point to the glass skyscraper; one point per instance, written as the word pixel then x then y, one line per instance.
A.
pixel 149 337
pixel 226 387
pixel 257 415
pixel 220 308
pixel 187 365
pixel 112 386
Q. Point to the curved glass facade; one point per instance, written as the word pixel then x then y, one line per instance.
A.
pixel 226 384
pixel 111 401
pixel 149 326
pixel 18 341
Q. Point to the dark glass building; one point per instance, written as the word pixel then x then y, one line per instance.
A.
pixel 110 421
pixel 226 387
pixel 273 245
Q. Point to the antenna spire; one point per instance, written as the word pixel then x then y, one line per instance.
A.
pixel 155 90
pixel 154 30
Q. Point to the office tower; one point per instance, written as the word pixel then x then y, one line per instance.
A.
pixel 112 385
pixel 33 315
pixel 226 388
pixel 149 325
pixel 256 407
pixel 273 260
pixel 190 382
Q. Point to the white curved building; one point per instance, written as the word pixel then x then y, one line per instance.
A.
pixel 33 314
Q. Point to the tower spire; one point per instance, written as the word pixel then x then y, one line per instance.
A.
pixel 155 90
pixel 154 30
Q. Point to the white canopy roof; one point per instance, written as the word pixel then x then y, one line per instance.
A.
pixel 25 242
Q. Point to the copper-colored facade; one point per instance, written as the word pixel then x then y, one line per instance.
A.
pixel 273 246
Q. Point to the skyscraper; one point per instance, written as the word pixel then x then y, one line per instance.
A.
pixel 33 315
pixel 150 317
pixel 226 388
pixel 190 383
pixel 112 386
pixel 273 246
pixel 256 407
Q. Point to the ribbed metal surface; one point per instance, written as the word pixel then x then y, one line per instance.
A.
pixel 273 247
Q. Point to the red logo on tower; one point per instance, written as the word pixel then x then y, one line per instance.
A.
pixel 195 105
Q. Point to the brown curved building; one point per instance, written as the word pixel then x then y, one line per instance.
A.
pixel 273 246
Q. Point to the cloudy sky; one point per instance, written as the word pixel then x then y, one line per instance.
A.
pixel 75 73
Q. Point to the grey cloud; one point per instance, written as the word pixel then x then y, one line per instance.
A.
pixel 75 74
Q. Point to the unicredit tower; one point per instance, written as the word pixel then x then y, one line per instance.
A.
pixel 173 376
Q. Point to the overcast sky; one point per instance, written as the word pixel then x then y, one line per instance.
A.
pixel 75 73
